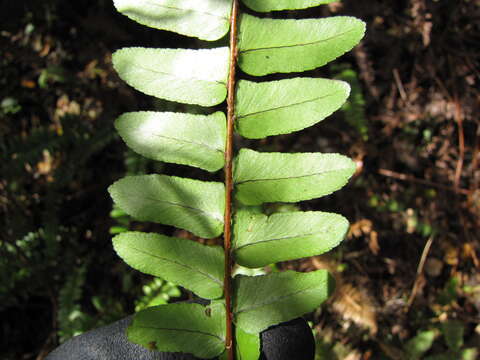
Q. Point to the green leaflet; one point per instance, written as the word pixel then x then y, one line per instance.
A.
pixel 195 140
pixel 277 177
pixel 261 240
pixel 263 301
pixel 469 353
pixel 248 345
pixel 181 327
pixel 182 75
pixel 193 205
pixel 207 20
pixel 194 266
pixel 284 106
pixel 276 5
pixel 295 45
pixel 418 345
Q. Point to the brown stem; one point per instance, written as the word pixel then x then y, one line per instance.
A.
pixel 227 281
pixel 418 279
pixel 405 177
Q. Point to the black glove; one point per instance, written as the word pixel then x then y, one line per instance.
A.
pixel 292 340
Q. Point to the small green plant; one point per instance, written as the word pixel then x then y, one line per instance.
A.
pixel 9 105
pixel 354 108
pixel 241 306
pixel 72 319
pixel 156 292
pixel 453 335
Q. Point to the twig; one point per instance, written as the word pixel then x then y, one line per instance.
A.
pixel 419 276
pixel 405 177
pixel 42 354
pixel 400 87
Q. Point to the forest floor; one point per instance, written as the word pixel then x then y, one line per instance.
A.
pixel 408 281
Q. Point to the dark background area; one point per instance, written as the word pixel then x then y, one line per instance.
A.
pixel 409 265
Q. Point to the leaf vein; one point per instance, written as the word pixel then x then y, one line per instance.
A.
pixel 185 330
pixel 171 75
pixel 253 307
pixel 289 105
pixel 297 45
pixel 186 10
pixel 179 264
pixel 287 177
pixel 275 239
pixel 209 214
pixel 188 142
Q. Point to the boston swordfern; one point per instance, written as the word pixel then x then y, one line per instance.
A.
pixel 241 306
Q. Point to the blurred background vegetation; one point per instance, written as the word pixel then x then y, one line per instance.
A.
pixel 407 274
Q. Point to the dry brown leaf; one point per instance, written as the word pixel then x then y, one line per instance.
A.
pixel 373 243
pixel 469 252
pixel 354 356
pixel 325 262
pixel 29 84
pixel 348 301
pixel 355 305
pixel 365 227
pixel 66 107
pixel 46 167
pixel 451 256
pixel 360 227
